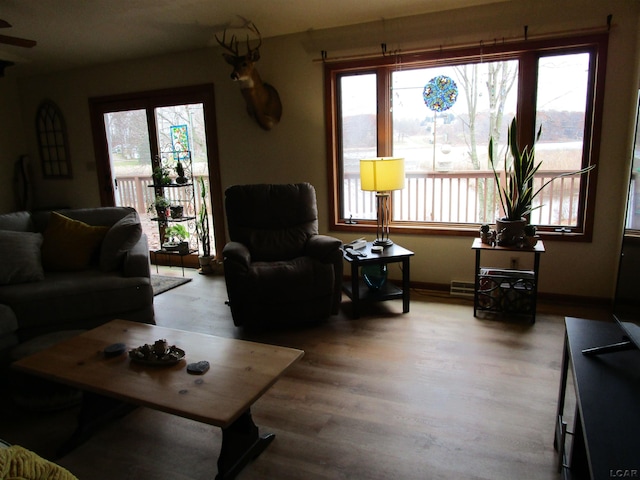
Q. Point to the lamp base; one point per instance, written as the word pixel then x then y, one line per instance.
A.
pixel 383 242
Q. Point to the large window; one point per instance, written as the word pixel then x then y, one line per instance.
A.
pixel 438 112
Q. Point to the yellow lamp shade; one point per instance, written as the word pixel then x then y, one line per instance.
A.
pixel 382 174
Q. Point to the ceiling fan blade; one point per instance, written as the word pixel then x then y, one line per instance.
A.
pixel 18 42
pixel 4 24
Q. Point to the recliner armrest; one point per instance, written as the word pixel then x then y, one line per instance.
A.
pixel 323 248
pixel 237 252
pixel 136 261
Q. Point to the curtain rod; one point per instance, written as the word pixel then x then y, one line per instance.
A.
pixel 439 48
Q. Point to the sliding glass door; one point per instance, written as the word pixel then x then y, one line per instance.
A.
pixel 132 135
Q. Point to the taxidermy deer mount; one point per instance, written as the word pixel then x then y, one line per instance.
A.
pixel 263 101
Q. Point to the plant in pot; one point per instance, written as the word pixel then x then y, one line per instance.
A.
pixel 161 175
pixel 517 193
pixel 202 225
pixel 161 206
pixel 175 237
pixel 486 234
pixel 181 179
pixel 177 211
pixel 530 237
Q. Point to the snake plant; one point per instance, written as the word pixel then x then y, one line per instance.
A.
pixel 517 192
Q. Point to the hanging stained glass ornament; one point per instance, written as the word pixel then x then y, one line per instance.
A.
pixel 440 93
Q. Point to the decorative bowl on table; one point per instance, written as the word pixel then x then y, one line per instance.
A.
pixel 158 354
pixel 375 276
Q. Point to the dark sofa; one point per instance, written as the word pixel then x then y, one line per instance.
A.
pixel 57 274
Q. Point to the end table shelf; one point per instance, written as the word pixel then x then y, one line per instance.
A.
pixel 388 291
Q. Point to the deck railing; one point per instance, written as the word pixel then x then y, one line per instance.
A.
pixel 450 197
pixel 463 197
pixel 135 191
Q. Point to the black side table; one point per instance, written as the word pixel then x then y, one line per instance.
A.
pixel 358 291
pixel 512 291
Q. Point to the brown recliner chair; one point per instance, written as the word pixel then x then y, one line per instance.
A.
pixel 278 270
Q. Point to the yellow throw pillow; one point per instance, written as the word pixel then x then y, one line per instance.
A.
pixel 69 244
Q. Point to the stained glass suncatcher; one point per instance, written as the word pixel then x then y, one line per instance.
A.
pixel 440 93
pixel 179 138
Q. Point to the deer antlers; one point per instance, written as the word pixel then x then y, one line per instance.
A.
pixel 262 100
pixel 232 46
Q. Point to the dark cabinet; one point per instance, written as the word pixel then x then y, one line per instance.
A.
pixel 598 414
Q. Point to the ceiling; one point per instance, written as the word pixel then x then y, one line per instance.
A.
pixel 77 33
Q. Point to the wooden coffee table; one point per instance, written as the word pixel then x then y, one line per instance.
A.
pixel 240 373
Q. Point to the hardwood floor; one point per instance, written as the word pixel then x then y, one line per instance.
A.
pixel 432 394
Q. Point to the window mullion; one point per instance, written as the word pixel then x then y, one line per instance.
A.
pixel 527 96
pixel 384 130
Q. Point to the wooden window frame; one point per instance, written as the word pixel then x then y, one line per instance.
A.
pixel 148 101
pixel 528 53
pixel 53 143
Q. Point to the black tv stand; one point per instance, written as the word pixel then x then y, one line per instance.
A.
pixel 598 397
pixel 625 344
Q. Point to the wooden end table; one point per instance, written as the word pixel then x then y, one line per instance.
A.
pixel 358 291
pixel 240 373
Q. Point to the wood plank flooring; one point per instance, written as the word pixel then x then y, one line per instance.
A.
pixel 432 394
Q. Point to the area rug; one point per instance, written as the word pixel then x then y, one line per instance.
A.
pixel 162 283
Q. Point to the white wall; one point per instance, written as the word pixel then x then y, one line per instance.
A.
pixel 295 149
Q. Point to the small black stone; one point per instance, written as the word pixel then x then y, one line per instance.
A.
pixel 198 368
pixel 114 350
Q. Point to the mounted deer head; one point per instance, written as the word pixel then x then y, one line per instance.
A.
pixel 263 101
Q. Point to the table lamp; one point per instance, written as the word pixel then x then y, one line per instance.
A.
pixel 382 175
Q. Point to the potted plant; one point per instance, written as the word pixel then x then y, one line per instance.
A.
pixel 202 225
pixel 486 235
pixel 180 179
pixel 177 211
pixel 516 193
pixel 530 237
pixel 161 175
pixel 175 238
pixel 161 206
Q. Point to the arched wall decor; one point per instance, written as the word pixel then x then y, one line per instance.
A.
pixel 52 141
